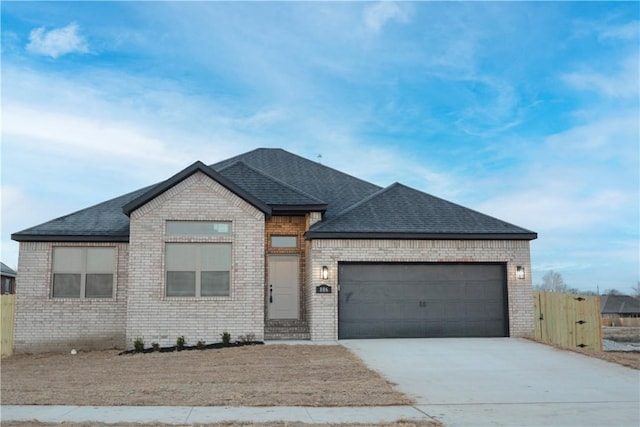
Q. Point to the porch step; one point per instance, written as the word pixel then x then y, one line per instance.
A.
pixel 286 330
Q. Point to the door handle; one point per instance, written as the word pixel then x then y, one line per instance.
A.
pixel 270 294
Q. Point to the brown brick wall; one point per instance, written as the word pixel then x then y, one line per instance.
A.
pixel 287 226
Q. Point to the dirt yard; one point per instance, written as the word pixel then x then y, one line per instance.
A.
pixel 261 375
pixel 400 423
pixel 621 333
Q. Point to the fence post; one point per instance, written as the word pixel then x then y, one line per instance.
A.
pixel 7 316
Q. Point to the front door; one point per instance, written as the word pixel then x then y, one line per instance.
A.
pixel 283 287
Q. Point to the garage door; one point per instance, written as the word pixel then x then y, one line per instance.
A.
pixel 422 300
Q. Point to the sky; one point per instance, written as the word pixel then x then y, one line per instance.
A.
pixel 528 112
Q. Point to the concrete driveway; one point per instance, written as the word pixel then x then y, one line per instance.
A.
pixel 505 382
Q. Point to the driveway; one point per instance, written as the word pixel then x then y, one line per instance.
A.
pixel 505 382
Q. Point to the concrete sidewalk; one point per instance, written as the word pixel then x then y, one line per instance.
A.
pixel 200 415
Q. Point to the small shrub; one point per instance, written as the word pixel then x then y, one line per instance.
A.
pixel 201 344
pixel 226 337
pixel 180 342
pixel 248 338
pixel 138 344
pixel 155 346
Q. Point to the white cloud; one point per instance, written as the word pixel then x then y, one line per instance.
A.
pixel 377 15
pixel 57 42
pixel 624 83
pixel 96 138
pixel 20 211
pixel 628 31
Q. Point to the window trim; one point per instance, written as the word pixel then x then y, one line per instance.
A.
pixel 198 272
pixel 213 224
pixel 83 274
pixel 275 236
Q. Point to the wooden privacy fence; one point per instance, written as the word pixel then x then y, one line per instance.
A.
pixel 7 313
pixel 568 320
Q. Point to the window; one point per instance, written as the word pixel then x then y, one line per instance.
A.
pixel 198 269
pixel 83 272
pixel 284 241
pixel 198 228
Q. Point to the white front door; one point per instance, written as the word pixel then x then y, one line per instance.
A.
pixel 283 287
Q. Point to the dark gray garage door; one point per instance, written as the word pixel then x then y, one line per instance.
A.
pixel 422 300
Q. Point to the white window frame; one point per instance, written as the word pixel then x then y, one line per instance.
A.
pixel 83 271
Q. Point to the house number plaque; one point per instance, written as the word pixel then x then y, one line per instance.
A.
pixel 323 289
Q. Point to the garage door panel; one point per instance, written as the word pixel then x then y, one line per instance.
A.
pixel 482 290
pixel 484 310
pixel 399 310
pixel 421 300
pixel 486 328
pixel 366 310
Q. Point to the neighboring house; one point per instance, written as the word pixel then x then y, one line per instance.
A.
pixel 271 244
pixel 619 306
pixel 8 281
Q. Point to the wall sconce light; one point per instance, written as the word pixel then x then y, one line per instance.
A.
pixel 520 272
pixel 325 272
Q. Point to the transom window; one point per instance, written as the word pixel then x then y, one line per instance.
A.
pixel 198 228
pixel 198 269
pixel 284 241
pixel 83 272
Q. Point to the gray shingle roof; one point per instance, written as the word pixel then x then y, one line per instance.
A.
pixel 619 304
pixel 99 223
pixel 277 181
pixel 7 271
pixel 335 188
pixel 401 211
pixel 270 190
pixel 158 189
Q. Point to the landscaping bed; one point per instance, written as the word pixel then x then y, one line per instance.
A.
pixel 251 375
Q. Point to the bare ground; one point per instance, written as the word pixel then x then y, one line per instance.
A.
pixel 625 358
pixel 621 333
pixel 400 423
pixel 630 359
pixel 273 375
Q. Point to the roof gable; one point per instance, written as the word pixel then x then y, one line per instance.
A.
pixel 156 190
pixel 399 211
pixel 271 191
pixel 337 189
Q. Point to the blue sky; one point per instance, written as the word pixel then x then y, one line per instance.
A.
pixel 525 111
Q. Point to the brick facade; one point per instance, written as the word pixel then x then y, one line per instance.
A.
pixel 140 308
pixel 156 318
pixel 287 226
pixel 44 324
pixel 322 309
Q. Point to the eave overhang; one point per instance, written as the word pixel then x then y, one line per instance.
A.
pixel 297 209
pixel 19 237
pixel 310 235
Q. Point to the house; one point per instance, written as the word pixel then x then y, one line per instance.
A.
pixel 271 244
pixel 619 309
pixel 8 281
